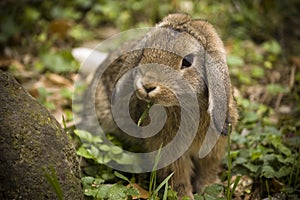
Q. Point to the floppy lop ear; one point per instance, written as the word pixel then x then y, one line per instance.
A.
pixel 222 108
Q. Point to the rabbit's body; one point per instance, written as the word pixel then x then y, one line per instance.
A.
pixel 169 49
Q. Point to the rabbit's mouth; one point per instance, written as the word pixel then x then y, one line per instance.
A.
pixel 156 94
pixel 147 92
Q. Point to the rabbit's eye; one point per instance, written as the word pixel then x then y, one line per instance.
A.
pixel 187 61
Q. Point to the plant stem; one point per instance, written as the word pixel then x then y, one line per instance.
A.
pixel 152 184
pixel 229 194
pixel 145 113
pixel 268 190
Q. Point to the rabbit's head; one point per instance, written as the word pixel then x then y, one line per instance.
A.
pixel 169 58
pixel 181 56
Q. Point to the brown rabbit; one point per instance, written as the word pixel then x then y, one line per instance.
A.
pixel 177 58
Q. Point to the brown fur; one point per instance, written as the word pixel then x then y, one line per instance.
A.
pixel 191 173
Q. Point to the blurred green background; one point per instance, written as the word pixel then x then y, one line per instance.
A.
pixel 262 39
pixel 259 20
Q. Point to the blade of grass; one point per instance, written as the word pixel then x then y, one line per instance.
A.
pixel 166 191
pixel 228 192
pixel 268 190
pixel 145 114
pixel 236 181
pixel 53 181
pixel 64 123
pixel 163 183
pixel 121 176
pixel 152 183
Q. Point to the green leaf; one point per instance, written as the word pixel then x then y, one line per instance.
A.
pixel 59 62
pixel 84 135
pixel 102 192
pixel 245 103
pixel 103 159
pixel 268 158
pixel 49 105
pixel 66 93
pixel 185 198
pixel 290 160
pixel 234 60
pixel 198 197
pixel 117 192
pixel 88 179
pixel 256 154
pixel 257 72
pixel 133 192
pixel 98 181
pixel 126 159
pixel 297 77
pixel 268 171
pixel 79 32
pixel 275 89
pixel 277 143
pixel 43 93
pixel 91 185
pixel 94 151
pixel 83 3
pixel 268 64
pixel 283 171
pixel 250 117
pixel 214 190
pixel 107 175
pixel 65 12
pixel 82 151
pixel 245 78
pixel 272 130
pixel 121 176
pixel 251 167
pixel 172 195
pixel 104 147
pixel 210 197
pixel 272 47
pixel 91 192
pixel 234 153
pixel 241 160
pixel 116 150
pixel 31 14
pixel 97 140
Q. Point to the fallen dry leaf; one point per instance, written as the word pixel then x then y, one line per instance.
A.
pixel 144 194
pixel 53 83
pixel 295 60
pixel 5 63
pixel 58 80
pixel 60 27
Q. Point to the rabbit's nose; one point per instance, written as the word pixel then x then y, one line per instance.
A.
pixel 149 88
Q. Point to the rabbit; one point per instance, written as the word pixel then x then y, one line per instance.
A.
pixel 173 45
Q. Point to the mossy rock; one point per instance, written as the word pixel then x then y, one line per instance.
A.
pixel 33 144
